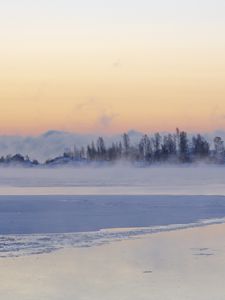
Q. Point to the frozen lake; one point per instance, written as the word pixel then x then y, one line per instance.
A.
pixel 66 214
pixel 46 209
pixel 74 211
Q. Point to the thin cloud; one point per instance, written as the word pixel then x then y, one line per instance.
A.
pixel 106 120
pixel 91 103
pixel 117 63
pixel 104 113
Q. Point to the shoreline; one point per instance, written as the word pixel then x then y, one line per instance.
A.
pixel 181 264
pixel 22 245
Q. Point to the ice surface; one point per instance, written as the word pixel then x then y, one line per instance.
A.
pixel 33 244
pixel 54 208
pixel 40 224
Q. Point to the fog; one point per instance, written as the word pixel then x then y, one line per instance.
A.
pixel 53 142
pixel 198 180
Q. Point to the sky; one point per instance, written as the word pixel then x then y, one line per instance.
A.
pixel 111 66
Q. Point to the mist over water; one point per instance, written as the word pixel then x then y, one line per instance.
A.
pixel 53 142
pixel 121 179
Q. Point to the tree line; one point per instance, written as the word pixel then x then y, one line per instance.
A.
pixel 176 147
pixel 172 148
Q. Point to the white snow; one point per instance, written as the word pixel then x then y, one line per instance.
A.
pixel 177 265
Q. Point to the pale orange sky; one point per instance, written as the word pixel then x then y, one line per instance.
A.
pixel 110 68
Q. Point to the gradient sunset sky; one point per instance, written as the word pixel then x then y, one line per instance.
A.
pixel 110 66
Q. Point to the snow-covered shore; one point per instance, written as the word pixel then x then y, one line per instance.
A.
pixel 183 264
pixel 40 224
pixel 65 207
